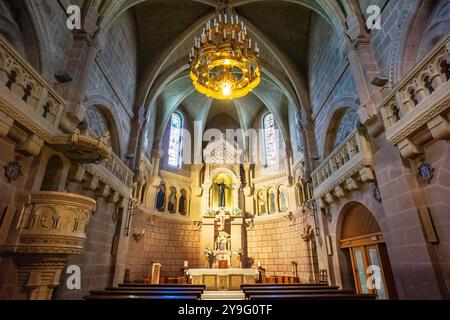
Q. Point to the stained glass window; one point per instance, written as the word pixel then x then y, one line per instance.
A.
pixel 269 140
pixel 175 142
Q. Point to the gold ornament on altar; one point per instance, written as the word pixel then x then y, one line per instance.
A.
pixel 225 62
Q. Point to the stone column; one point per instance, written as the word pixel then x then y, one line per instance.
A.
pixel 39 275
pixel 236 238
pixel 288 164
pixel 308 238
pixel 197 191
pixel 249 206
pixel 156 158
pixel 207 236
pixel 77 107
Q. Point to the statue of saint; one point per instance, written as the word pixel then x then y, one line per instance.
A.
pixel 160 199
pixel 222 242
pixel 222 188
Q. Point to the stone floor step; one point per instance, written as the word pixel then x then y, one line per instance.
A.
pixel 223 295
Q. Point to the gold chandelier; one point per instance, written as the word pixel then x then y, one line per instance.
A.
pixel 224 61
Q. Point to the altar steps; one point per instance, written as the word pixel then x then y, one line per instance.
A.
pixel 223 295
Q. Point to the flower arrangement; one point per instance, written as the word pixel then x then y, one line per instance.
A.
pixel 208 252
pixel 210 212
pixel 236 212
pixel 210 257
pixel 238 253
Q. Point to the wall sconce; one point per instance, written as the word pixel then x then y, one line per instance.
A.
pixel 138 234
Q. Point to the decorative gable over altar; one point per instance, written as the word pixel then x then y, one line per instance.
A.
pixel 222 152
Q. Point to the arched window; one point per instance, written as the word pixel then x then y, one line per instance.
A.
pixel 99 124
pixel 175 140
pixel 270 143
pixel 347 124
pixel 97 121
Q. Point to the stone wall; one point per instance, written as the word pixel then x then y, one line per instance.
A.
pixel 277 242
pixel 435 196
pixel 96 262
pixel 112 79
pixel 331 82
pixel 169 241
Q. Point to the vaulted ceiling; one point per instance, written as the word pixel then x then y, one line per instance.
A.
pixel 165 35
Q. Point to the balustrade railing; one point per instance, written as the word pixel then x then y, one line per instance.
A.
pixel 119 169
pixel 429 76
pixel 20 79
pixel 348 159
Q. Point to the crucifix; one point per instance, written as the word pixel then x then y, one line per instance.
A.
pixel 222 217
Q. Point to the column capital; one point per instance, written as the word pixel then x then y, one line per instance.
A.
pixel 157 153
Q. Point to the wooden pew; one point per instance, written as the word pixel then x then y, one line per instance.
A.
pixel 169 289
pixel 332 296
pixel 133 294
pixel 134 297
pixel 142 285
pixel 261 286
pixel 256 293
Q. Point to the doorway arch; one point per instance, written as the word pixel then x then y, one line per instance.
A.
pixel 364 259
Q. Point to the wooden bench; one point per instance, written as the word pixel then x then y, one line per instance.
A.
pixel 134 297
pixel 172 288
pixel 255 293
pixel 125 293
pixel 333 296
pixel 143 285
pixel 283 286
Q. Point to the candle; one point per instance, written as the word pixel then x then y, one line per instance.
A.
pixel 259 264
pixel 185 263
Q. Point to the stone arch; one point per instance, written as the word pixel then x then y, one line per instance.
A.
pixel 436 28
pixel 209 181
pixel 32 35
pixel 409 38
pixel 110 114
pixel 358 227
pixel 342 122
pixel 337 108
pixel 10 32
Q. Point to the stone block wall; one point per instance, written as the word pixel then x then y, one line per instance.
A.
pixel 167 241
pixel 113 76
pixel 96 262
pixel 276 243
pixel 436 195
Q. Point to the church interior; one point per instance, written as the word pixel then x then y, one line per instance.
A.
pixel 221 148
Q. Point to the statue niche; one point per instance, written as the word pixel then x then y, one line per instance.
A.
pixel 223 250
pixel 222 191
pixel 223 242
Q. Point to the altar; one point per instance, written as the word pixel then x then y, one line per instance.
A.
pixel 223 279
